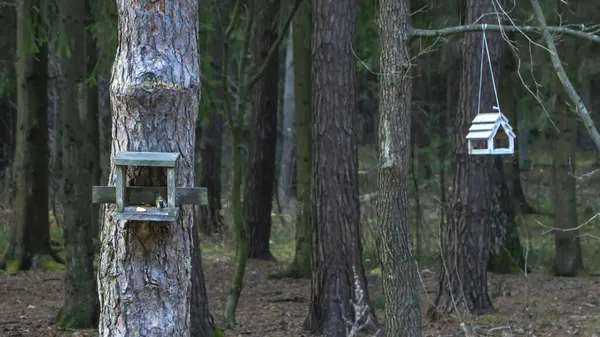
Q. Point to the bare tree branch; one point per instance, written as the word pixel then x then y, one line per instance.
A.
pixel 582 34
pixel 580 108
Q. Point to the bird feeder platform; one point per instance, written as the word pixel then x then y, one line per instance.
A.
pixel 133 201
pixel 491 134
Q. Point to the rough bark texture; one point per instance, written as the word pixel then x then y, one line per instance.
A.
pixel 79 309
pixel 337 251
pixel 286 177
pixel 301 31
pixel 29 233
pixel 463 278
pixel 400 286
pixel 505 254
pixel 568 261
pixel 146 268
pixel 260 175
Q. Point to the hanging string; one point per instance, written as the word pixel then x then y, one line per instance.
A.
pixel 485 48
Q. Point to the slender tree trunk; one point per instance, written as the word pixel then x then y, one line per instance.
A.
pixel 285 184
pixel 211 145
pixel 260 175
pixel 568 260
pixel 201 321
pixel 400 286
pixel 337 251
pixel 146 269
pixel 105 121
pixel 211 138
pixel 79 310
pixel 463 278
pixel 91 119
pixel 8 111
pixel 30 233
pixel 301 32
pixel 241 240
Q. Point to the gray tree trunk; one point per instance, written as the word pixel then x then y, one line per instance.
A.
pixel 145 275
pixel 285 184
pixel 400 286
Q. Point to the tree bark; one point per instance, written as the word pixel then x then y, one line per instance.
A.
pixel 506 253
pixel 201 320
pixel 211 145
pixel 301 32
pixel 210 139
pixel 463 278
pixel 287 167
pixel 260 175
pixel 400 286
pixel 30 232
pixel 568 260
pixel 79 309
pixel 146 269
pixel 8 111
pixel 91 120
pixel 337 251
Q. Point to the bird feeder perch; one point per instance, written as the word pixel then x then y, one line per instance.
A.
pixel 490 134
pixel 131 199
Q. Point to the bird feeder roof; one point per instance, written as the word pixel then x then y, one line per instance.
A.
pixel 486 125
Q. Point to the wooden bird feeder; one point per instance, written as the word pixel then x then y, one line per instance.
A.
pixel 132 201
pixel 490 134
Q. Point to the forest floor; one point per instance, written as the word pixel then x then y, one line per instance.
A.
pixel 532 305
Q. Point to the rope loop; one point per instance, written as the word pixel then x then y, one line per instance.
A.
pixel 486 51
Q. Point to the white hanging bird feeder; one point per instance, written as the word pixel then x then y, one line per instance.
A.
pixel 490 133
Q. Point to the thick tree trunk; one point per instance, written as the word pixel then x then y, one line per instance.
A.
pixel 30 233
pixel 287 168
pixel 400 286
pixel 506 253
pixel 463 278
pixel 79 310
pixel 568 260
pixel 337 251
pixel 260 175
pixel 146 269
